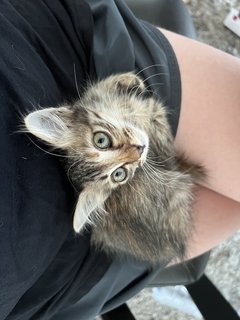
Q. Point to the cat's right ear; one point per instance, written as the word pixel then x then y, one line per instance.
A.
pixel 51 125
pixel 91 200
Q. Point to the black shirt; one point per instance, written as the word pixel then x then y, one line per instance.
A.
pixel 47 49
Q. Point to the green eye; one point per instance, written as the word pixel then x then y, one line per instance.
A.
pixel 119 174
pixel 102 140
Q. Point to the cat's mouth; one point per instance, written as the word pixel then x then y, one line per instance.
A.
pixel 141 162
pixel 143 157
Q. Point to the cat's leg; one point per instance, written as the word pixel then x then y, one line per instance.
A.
pixel 209 134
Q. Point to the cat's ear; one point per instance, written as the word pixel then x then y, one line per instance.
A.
pixel 125 83
pixel 89 206
pixel 52 125
pixel 129 83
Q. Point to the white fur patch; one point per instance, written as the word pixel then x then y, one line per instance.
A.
pixel 47 125
pixel 91 200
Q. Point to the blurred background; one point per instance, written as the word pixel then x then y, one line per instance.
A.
pixel 223 269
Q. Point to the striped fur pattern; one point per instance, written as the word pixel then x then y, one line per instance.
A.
pixel 135 191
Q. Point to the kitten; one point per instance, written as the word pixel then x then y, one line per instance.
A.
pixel 135 192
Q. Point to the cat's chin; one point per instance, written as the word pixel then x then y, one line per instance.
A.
pixel 142 160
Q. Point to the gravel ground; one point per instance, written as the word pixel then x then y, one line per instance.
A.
pixel 223 267
pixel 208 17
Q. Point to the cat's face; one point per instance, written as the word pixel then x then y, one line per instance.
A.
pixel 112 146
pixel 104 145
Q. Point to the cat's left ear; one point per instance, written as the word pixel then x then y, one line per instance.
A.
pixel 52 125
pixel 90 205
pixel 129 83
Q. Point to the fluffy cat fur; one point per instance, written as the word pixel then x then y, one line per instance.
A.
pixel 148 213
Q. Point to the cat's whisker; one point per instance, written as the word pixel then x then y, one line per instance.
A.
pixel 159 180
pixel 151 92
pixel 142 196
pixel 132 89
pixel 148 67
pixel 155 75
pixel 69 174
pixel 73 165
pixel 75 80
pixel 154 84
pixel 156 178
pixel 157 156
pixel 154 169
pixel 65 156
pixel 85 108
pixel 153 179
pixel 150 171
pixel 72 184
pixel 151 159
pixel 48 152
pixel 167 178
pixel 154 164
pixel 145 171
pixel 97 215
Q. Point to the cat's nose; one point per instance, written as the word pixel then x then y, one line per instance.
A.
pixel 140 149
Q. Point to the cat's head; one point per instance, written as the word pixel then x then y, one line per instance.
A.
pixel 102 138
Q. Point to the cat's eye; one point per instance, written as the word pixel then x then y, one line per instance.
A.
pixel 119 175
pixel 102 140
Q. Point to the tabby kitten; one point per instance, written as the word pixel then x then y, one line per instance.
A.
pixel 135 192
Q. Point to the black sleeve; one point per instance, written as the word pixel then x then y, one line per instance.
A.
pixel 41 42
pixel 124 43
pixel 42 264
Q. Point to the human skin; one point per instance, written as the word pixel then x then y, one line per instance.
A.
pixel 209 134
